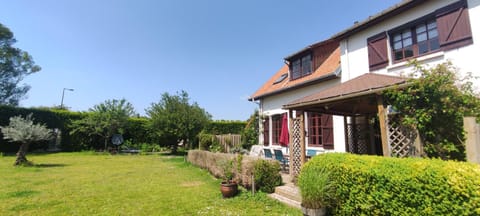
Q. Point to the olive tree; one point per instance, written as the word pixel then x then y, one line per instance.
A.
pixel 25 131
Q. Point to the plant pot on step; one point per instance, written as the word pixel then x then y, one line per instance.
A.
pixel 229 189
pixel 314 211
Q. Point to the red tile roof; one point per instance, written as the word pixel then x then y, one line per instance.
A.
pixel 369 83
pixel 326 70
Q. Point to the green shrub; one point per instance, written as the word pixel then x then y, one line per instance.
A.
pixel 224 127
pixel 267 176
pixel 371 185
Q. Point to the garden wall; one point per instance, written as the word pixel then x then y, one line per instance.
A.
pixel 243 171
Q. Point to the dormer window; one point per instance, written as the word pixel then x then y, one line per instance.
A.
pixel 301 67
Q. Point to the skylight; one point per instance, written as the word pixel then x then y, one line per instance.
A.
pixel 281 78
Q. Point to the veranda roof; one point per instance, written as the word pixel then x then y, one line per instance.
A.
pixel 351 97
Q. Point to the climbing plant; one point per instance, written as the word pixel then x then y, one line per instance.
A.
pixel 435 103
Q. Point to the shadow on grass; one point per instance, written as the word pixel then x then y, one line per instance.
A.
pixel 48 165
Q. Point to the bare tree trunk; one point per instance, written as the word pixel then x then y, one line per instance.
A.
pixel 21 154
pixel 106 142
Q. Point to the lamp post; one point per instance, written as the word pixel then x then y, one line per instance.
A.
pixel 63 95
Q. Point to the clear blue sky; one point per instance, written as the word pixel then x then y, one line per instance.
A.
pixel 219 51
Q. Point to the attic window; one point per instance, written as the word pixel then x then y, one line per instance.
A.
pixel 301 67
pixel 281 78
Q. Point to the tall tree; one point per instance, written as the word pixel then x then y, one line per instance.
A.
pixel 105 119
pixel 176 119
pixel 15 64
pixel 25 131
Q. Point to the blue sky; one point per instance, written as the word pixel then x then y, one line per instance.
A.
pixel 219 51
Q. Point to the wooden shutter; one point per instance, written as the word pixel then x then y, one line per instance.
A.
pixel 266 132
pixel 377 51
pixel 453 26
pixel 327 131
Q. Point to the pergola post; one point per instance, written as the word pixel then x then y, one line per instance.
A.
pixel 302 137
pixel 290 145
pixel 382 115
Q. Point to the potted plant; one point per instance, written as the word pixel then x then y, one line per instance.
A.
pixel 316 190
pixel 228 187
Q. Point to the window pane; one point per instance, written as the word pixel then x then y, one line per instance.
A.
pixel 408 52
pixel 397 45
pixel 434 44
pixel 399 55
pixel 397 37
pixel 432 25
pixel 406 34
pixel 423 47
pixel 421 28
pixel 407 42
pixel 433 33
pixel 306 65
pixel 422 37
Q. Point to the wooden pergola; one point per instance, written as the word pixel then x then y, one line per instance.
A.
pixel 361 96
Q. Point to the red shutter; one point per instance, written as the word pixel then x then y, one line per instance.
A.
pixel 327 131
pixel 453 26
pixel 377 51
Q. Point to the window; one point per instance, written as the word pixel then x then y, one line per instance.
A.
pixel 320 130
pixel 266 132
pixel 445 29
pixel 416 40
pixel 276 129
pixel 301 67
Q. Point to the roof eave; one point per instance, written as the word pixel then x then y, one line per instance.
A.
pixel 326 77
pixel 345 96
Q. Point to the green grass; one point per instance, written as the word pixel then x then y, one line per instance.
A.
pixel 91 184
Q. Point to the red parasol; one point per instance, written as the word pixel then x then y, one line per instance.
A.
pixel 284 135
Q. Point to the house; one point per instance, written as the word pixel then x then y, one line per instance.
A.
pixel 331 90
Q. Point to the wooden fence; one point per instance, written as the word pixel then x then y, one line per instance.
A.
pixel 228 141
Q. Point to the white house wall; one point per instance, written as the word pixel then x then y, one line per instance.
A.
pixel 354 52
pixel 272 105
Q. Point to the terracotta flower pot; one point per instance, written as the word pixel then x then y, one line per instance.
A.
pixel 229 189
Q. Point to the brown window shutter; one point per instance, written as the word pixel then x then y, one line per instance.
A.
pixel 453 25
pixel 377 51
pixel 327 131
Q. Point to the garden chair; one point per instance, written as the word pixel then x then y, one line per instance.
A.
pixel 280 158
pixel 311 153
pixel 268 153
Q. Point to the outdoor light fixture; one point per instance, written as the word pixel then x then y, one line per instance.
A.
pixel 63 95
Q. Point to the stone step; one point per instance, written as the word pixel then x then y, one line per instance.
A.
pixel 285 200
pixel 289 191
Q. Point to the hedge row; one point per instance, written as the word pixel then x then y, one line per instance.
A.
pixel 224 127
pixel 267 173
pixel 372 185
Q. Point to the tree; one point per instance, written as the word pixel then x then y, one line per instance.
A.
pixel 435 104
pixel 176 120
pixel 250 132
pixel 105 119
pixel 25 131
pixel 15 64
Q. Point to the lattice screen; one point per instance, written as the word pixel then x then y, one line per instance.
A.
pixel 296 149
pixel 401 140
pixel 357 140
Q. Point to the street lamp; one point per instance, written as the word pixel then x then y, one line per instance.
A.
pixel 63 95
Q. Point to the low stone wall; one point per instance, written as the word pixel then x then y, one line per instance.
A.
pixel 210 161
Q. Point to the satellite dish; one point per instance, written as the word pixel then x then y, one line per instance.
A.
pixel 117 139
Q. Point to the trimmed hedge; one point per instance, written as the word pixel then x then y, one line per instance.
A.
pixel 224 127
pixel 372 185
pixel 244 167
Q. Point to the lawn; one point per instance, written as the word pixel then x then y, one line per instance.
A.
pixel 93 184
